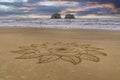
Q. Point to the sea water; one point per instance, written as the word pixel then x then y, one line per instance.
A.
pixel 81 23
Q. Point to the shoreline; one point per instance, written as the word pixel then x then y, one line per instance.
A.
pixel 53 33
pixel 17 27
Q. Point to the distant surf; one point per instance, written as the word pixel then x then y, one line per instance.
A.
pixel 82 23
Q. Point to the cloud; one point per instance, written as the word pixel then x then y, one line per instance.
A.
pixel 89 6
pixel 12 1
pixel 5 8
pixel 30 4
pixel 58 3
pixel 48 7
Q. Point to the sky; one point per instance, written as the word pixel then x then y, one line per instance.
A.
pixel 45 8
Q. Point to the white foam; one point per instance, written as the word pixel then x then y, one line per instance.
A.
pixel 107 24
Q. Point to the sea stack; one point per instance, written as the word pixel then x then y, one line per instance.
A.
pixel 69 16
pixel 56 16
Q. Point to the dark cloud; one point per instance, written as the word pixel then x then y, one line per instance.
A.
pixel 115 2
pixel 33 1
pixel 48 7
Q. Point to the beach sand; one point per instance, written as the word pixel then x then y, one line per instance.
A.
pixel 108 68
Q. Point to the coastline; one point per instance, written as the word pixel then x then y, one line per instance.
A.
pixel 60 27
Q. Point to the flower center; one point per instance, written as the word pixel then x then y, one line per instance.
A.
pixel 61 49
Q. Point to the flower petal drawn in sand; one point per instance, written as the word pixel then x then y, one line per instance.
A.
pixel 69 52
pixel 73 59
pixel 89 57
pixel 46 59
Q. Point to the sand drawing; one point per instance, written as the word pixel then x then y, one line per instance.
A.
pixel 69 52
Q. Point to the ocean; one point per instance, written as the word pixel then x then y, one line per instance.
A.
pixel 81 23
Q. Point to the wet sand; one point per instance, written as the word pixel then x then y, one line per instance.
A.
pixel 108 68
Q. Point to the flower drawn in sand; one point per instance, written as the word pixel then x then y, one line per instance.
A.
pixel 70 52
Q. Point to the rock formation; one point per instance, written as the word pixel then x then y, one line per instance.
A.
pixel 56 16
pixel 69 16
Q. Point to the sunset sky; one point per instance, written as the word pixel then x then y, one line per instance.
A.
pixel 45 8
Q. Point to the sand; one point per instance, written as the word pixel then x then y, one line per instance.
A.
pixel 101 67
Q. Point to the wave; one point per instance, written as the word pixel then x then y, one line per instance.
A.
pixel 82 23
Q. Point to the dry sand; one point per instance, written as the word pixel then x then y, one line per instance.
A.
pixel 108 68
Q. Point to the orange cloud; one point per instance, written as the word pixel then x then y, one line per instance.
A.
pixel 30 4
pixel 26 10
pixel 88 6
